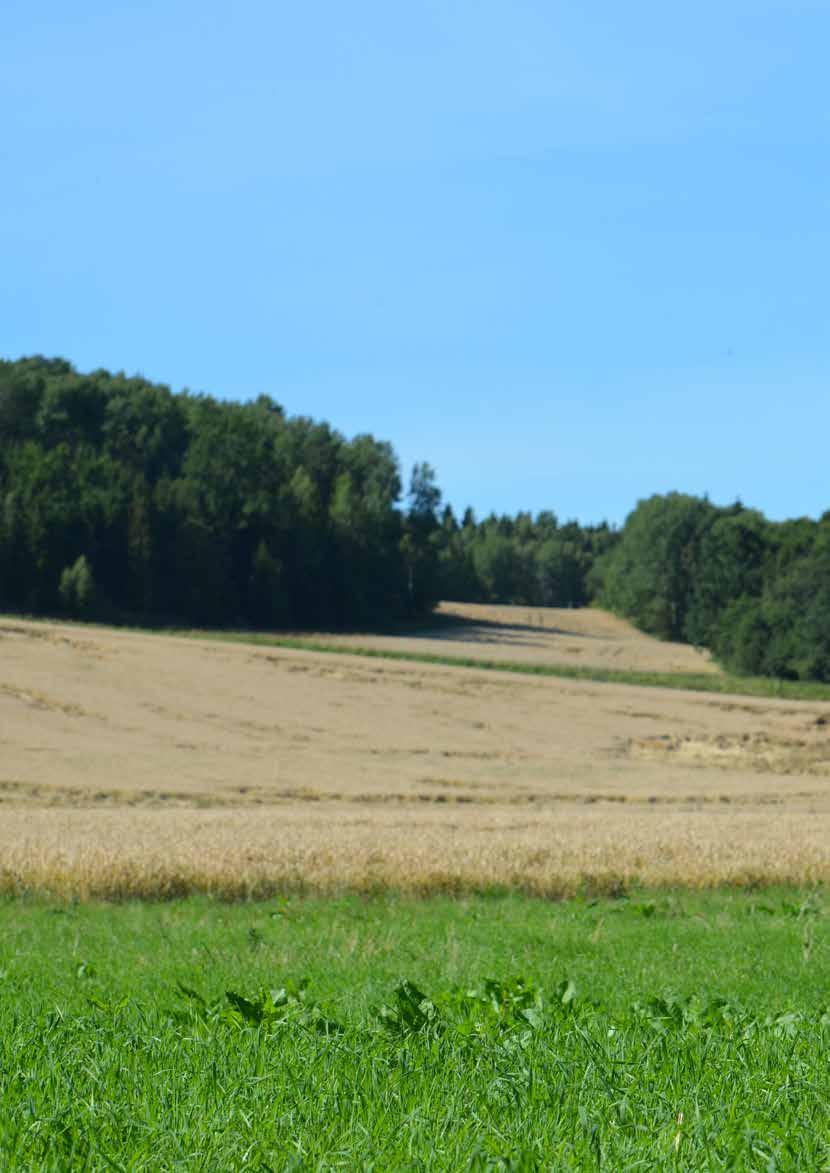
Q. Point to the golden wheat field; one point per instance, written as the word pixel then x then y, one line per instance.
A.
pixel 146 765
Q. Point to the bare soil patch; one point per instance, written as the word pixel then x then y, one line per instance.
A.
pixel 142 764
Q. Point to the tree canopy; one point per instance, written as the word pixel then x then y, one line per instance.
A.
pixel 124 501
pixel 121 500
pixel 755 592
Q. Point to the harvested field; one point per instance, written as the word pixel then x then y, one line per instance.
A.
pixel 137 764
pixel 586 638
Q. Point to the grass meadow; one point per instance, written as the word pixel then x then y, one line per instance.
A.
pixel 660 1030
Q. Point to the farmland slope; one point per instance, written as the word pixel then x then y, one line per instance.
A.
pixel 142 764
pixel 581 637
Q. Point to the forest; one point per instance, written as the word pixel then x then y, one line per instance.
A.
pixel 123 501
pixel 756 593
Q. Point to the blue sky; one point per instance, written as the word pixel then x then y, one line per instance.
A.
pixel 569 253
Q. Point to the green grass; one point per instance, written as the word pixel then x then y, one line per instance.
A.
pixel 724 683
pixel 669 1030
pixel 758 686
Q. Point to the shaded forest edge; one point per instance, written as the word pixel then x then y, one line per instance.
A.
pixel 125 502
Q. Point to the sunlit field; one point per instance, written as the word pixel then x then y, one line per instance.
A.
pixel 663 1030
pixel 149 765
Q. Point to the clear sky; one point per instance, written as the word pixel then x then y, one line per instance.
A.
pixel 571 253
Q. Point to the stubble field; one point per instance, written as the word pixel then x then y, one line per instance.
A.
pixel 146 765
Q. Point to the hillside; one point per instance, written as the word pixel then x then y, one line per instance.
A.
pixel 144 764
pixel 124 502
pixel 586 637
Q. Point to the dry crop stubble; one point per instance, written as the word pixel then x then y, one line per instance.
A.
pixel 143 765
pixel 539 635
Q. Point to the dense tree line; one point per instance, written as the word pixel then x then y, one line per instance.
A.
pixel 122 500
pixel 519 559
pixel 755 592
